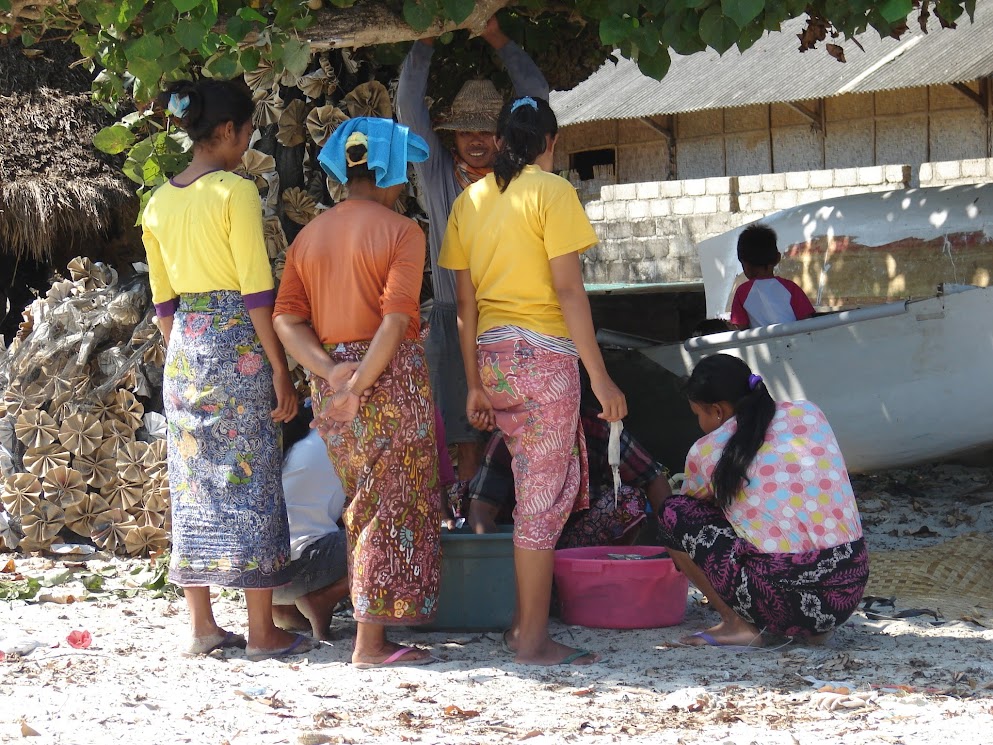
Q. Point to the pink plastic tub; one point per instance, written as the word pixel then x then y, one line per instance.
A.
pixel 607 593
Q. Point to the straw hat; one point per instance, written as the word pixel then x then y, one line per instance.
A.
pixel 475 108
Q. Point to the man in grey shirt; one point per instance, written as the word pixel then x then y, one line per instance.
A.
pixel 441 178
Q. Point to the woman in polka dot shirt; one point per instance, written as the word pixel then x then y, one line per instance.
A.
pixel 767 526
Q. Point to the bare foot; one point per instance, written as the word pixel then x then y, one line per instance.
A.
pixel 287 617
pixel 550 653
pixel 318 607
pixel 382 653
pixel 270 641
pixel 738 634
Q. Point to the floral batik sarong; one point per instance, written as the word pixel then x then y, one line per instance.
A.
pixel 609 521
pixel 225 462
pixel 535 396
pixel 387 460
pixel 799 594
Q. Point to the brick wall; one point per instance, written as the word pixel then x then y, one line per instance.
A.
pixel 649 231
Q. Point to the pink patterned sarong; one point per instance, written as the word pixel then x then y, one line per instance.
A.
pixel 535 394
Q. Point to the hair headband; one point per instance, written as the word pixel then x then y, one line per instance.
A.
pixel 753 381
pixel 178 105
pixel 526 101
pixel 357 138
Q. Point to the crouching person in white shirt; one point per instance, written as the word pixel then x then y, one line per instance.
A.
pixel 314 503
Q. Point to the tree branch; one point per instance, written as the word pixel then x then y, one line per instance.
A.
pixel 368 23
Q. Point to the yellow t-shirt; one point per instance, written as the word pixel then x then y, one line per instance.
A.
pixel 206 236
pixel 506 242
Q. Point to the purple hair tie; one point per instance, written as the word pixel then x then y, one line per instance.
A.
pixel 753 381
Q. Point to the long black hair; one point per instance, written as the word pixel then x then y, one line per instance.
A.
pixel 201 106
pixel 721 377
pixel 523 127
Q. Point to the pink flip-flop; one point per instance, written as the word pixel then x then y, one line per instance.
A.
pixel 396 660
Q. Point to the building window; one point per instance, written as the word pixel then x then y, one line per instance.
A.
pixel 593 164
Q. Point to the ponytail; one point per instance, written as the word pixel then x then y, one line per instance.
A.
pixel 721 377
pixel 201 106
pixel 523 128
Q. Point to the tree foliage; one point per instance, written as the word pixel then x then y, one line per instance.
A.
pixel 135 47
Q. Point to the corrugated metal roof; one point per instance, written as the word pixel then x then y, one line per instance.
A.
pixel 773 71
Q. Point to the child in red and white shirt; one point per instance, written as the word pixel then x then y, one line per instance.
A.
pixel 765 299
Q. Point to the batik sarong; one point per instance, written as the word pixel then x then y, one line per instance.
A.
pixel 535 395
pixel 387 460
pixel 224 449
pixel 609 521
pixel 799 594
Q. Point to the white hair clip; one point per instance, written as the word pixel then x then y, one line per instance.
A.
pixel 178 105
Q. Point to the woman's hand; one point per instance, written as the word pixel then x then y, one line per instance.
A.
pixel 615 406
pixel 479 409
pixel 287 400
pixel 338 410
pixel 340 375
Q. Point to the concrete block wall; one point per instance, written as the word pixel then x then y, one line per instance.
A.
pixel 649 231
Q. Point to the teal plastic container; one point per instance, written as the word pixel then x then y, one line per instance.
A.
pixel 477 581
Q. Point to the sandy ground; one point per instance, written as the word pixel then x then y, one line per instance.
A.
pixel 911 681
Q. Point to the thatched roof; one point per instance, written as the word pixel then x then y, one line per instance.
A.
pixel 57 193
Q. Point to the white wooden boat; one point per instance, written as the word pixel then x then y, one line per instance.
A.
pixel 901 383
pixel 866 249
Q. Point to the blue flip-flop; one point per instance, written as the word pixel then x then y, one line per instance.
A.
pixel 710 641
pixel 301 645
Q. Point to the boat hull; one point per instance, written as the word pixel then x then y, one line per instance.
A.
pixel 901 383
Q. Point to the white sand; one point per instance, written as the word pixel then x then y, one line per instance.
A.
pixel 132 686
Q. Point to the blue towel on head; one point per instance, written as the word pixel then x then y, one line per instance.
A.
pixel 391 147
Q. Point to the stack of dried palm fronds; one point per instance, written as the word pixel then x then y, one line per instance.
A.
pixel 78 453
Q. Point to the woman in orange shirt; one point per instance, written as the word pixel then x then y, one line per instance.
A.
pixel 348 310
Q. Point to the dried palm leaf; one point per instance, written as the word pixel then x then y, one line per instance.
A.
pixel 81 434
pixel 36 428
pixel 122 494
pixel 292 129
pixel 263 77
pixel 110 529
pixel 131 462
pixel 336 189
pixel 275 238
pixel 257 165
pixel 40 461
pixel 21 493
pixel 43 523
pixel 369 99
pixel 143 541
pixel 63 486
pixel 299 206
pixel 318 83
pixel 96 468
pixel 81 514
pixel 323 121
pixel 116 434
pixel 128 409
pixel 268 106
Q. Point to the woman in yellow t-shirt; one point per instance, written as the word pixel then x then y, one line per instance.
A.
pixel 514 240
pixel 226 387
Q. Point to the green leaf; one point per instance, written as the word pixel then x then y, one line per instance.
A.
pixel 148 71
pixel 88 11
pixel 87 44
pixel 296 56
pixel 717 30
pixel 92 582
pixel 896 10
pixel 417 15
pixel 114 139
pixel 458 10
pixel 615 29
pixel 694 4
pixel 655 65
pixel 190 34
pixel 222 65
pixel 28 39
pixel 4 6
pixel 235 30
pixel 147 47
pixel 128 10
pixel 160 16
pixel 742 12
pixel 750 34
pixel 250 14
pixel 250 58
pixel 185 6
